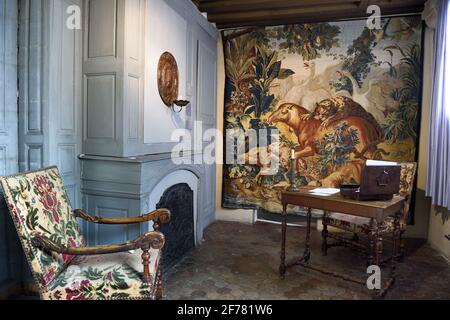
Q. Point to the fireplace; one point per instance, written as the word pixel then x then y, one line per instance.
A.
pixel 179 233
pixel 126 187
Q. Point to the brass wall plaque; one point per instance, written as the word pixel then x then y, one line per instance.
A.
pixel 168 78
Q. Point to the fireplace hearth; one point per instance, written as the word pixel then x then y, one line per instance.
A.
pixel 179 232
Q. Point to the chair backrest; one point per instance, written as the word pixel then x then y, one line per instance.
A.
pixel 407 177
pixel 38 203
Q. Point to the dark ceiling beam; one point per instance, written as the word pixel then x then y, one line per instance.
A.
pixel 306 19
pixel 311 14
pixel 274 13
pixel 222 6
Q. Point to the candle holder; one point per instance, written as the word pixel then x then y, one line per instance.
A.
pixel 180 103
pixel 292 187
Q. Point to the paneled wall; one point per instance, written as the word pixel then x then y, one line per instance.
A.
pixel 8 87
pixel 103 58
pixel 65 98
pixel 10 251
pixel 206 109
pixel 83 91
pixel 123 113
pixel 31 80
pixel 50 90
pixel 41 126
pixel 127 128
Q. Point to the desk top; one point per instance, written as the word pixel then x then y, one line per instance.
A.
pixel 336 202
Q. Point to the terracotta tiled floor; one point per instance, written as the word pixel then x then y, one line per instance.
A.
pixel 240 261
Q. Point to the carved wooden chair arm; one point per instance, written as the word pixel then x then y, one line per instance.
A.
pixel 152 239
pixel 159 216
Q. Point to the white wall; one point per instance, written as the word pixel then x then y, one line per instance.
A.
pixel 166 30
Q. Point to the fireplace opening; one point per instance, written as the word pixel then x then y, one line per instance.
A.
pixel 179 232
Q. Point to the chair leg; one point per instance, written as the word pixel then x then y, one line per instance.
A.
pixel 145 262
pixel 401 251
pixel 324 238
pixel 159 287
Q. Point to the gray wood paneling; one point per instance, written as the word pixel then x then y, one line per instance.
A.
pixel 102 69
pixel 102 28
pixel 113 185
pixel 129 65
pixel 31 137
pixel 10 252
pixel 49 104
pixel 65 98
pixel 50 86
pixel 206 105
pixel 134 104
pixel 101 106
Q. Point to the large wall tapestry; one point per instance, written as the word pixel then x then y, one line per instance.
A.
pixel 339 93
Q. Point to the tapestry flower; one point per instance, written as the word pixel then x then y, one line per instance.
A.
pixel 77 290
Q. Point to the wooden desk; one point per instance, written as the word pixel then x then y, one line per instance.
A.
pixel 377 211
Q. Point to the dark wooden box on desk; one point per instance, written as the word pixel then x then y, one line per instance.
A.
pixel 377 183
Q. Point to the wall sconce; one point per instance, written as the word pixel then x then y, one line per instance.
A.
pixel 180 103
pixel 168 82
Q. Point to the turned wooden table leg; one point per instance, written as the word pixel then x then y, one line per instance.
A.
pixel 372 240
pixel 379 244
pixel 324 235
pixel 282 269
pixel 307 254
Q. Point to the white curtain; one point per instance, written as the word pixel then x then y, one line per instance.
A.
pixel 438 177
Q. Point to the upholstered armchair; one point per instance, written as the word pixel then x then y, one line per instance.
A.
pixel 362 227
pixel 63 267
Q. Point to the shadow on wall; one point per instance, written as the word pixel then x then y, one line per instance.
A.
pixel 443 212
pixel 445 216
pixel 439 230
pixel 15 274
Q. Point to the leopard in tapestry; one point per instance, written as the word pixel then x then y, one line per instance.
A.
pixel 337 93
pixel 338 108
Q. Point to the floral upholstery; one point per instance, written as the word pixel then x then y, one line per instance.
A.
pixel 361 225
pixel 38 204
pixel 99 277
pixel 407 176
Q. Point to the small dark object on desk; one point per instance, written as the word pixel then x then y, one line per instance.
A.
pixel 377 183
pixel 349 190
pixel 352 191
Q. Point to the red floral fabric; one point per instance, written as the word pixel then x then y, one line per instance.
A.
pixel 38 204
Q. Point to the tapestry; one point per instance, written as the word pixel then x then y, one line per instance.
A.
pixel 335 93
